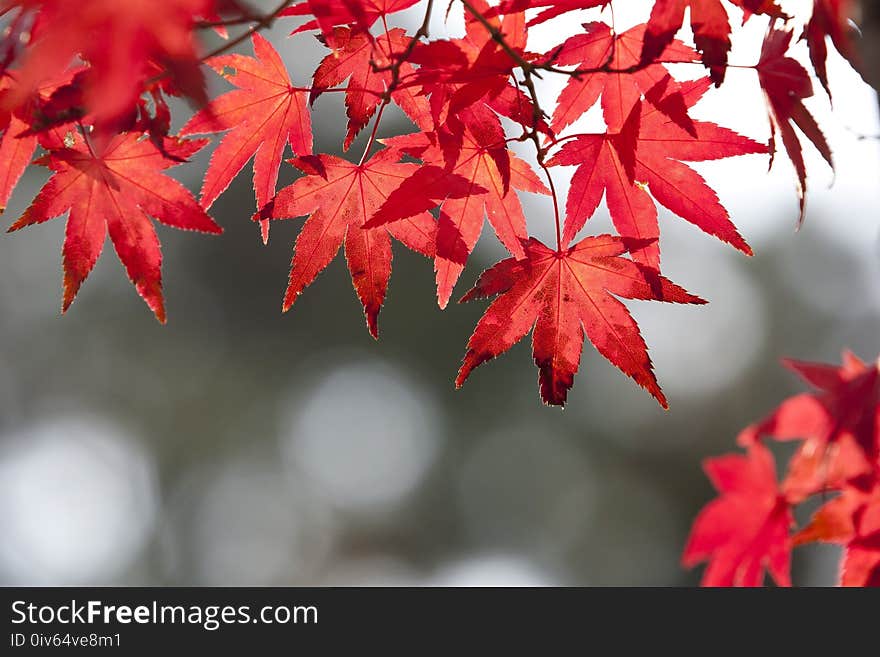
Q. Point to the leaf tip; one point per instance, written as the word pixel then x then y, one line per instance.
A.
pixel 372 318
pixel 657 393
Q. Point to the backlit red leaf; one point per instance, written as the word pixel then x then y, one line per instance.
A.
pixel 364 61
pixel 339 196
pixel 461 219
pixel 262 116
pixel 565 296
pixel 116 193
pixel 649 155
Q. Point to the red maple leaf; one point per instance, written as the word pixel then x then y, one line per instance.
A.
pixel 116 192
pixel 551 8
pixel 648 154
pixel 621 88
pixel 365 60
pixel 262 115
pixel 490 195
pixel 16 152
pixel 28 124
pixel 711 26
pixel 851 520
pixel 565 296
pixel 786 84
pixel 831 19
pixel 359 14
pixel 746 530
pixel 17 145
pixel 839 424
pixel 465 76
pixel 121 41
pixel 339 196
pixel 463 83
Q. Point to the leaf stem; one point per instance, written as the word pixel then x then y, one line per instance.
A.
pixel 555 198
pixel 372 138
pixel 86 139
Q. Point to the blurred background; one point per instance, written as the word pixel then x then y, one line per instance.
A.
pixel 239 446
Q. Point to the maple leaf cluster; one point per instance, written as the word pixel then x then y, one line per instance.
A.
pixel 750 528
pixel 88 85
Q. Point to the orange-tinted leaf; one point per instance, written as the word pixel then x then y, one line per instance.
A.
pixel 851 520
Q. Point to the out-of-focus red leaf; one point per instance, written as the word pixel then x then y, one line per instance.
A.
pixel 839 425
pixel 786 84
pixel 745 531
pixel 121 41
pixel 832 19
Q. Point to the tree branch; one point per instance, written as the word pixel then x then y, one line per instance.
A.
pixel 262 22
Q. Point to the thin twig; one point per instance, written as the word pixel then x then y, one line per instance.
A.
pixel 399 59
pixel 529 72
pixel 264 22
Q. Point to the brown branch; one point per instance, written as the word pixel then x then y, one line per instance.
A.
pixel 227 22
pixel 262 22
pixel 400 58
pixel 529 71
pixel 498 37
